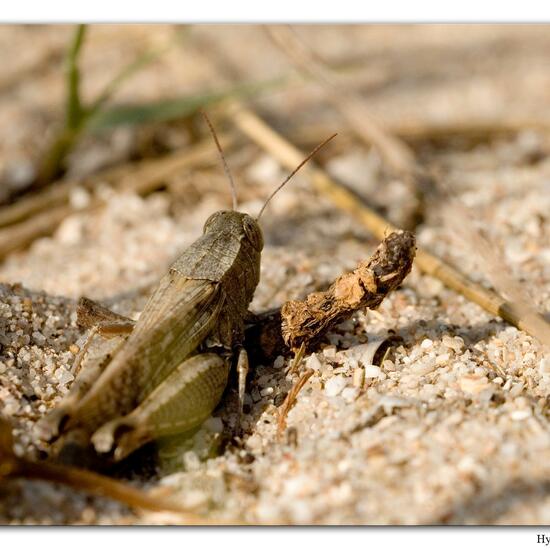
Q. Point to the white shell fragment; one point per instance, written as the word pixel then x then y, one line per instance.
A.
pixel 474 384
pixel 335 385
pixel 372 371
pixel 520 415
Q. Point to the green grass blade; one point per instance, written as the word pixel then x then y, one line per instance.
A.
pixel 74 110
pixel 170 109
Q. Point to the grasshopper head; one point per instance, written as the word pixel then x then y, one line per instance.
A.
pixel 236 223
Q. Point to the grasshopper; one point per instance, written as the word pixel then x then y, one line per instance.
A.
pixel 171 371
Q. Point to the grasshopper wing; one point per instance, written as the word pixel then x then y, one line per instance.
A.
pixel 178 317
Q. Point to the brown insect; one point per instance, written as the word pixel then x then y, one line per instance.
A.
pixel 169 374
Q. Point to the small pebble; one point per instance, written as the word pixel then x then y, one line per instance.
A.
pixel 313 362
pixel 372 371
pixel 473 384
pixel 38 338
pixel 191 461
pixel 520 415
pixel 427 343
pixel 329 352
pixel 63 376
pixel 335 385
pixel 350 394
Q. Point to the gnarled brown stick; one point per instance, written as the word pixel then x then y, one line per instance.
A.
pixel 298 322
pixel 308 320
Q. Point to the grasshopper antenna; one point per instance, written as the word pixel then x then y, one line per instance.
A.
pixel 225 166
pixel 294 172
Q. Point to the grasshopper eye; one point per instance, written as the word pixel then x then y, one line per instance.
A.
pixel 253 232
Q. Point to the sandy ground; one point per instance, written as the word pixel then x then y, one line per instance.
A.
pixel 452 426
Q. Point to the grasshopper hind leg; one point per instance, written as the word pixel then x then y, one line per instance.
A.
pixel 179 404
pixel 103 322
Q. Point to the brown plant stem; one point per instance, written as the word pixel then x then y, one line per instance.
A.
pixel 302 323
pixel 290 399
pixel 12 467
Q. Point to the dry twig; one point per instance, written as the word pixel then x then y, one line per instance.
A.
pixel 300 324
pixel 12 467
pixel 418 131
pixel 304 322
pixel 290 399
pixel 297 360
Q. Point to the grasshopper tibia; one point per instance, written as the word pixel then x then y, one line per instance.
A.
pixel 242 371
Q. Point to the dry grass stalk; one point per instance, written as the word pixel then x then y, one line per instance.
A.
pixel 24 233
pixel 290 399
pixel 489 258
pixel 142 177
pixel 417 131
pixel 27 206
pixel 474 129
pixel 297 360
pixel 13 467
pixel 289 156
